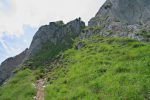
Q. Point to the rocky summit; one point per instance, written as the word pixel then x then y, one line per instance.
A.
pixel 124 11
pixel 55 33
pixel 122 18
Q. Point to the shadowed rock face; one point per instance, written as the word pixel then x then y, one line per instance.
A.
pixel 7 67
pixel 55 33
pixel 125 11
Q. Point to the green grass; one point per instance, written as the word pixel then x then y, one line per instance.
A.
pixel 144 33
pixel 105 69
pixel 19 87
pixel 94 28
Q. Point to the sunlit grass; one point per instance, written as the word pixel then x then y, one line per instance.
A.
pixel 19 87
pixel 105 69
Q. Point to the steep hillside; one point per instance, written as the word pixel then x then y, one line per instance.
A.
pixel 107 60
pixel 104 68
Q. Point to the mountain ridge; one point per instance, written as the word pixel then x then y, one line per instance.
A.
pixel 106 21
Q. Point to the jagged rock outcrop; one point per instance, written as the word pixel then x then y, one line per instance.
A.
pixel 124 11
pixel 8 66
pixel 55 33
pixel 122 18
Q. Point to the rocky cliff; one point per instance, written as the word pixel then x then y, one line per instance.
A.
pixel 124 11
pixel 122 18
pixel 55 33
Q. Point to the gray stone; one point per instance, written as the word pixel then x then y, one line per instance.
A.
pixel 80 45
pixel 122 18
pixel 124 11
pixel 55 32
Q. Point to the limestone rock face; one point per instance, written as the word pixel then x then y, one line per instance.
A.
pixel 124 11
pixel 55 32
pixel 122 18
pixel 7 67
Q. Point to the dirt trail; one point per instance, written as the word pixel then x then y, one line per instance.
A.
pixel 40 89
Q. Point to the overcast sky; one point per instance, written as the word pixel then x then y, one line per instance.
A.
pixel 20 19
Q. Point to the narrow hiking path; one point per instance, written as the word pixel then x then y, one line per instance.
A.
pixel 40 89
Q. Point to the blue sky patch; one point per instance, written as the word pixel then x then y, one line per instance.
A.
pixel 10 46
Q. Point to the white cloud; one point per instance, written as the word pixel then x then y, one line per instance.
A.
pixel 9 49
pixel 16 13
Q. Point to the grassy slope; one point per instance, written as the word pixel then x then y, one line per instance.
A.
pixel 19 87
pixel 105 69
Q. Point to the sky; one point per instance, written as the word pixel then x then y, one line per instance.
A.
pixel 20 19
